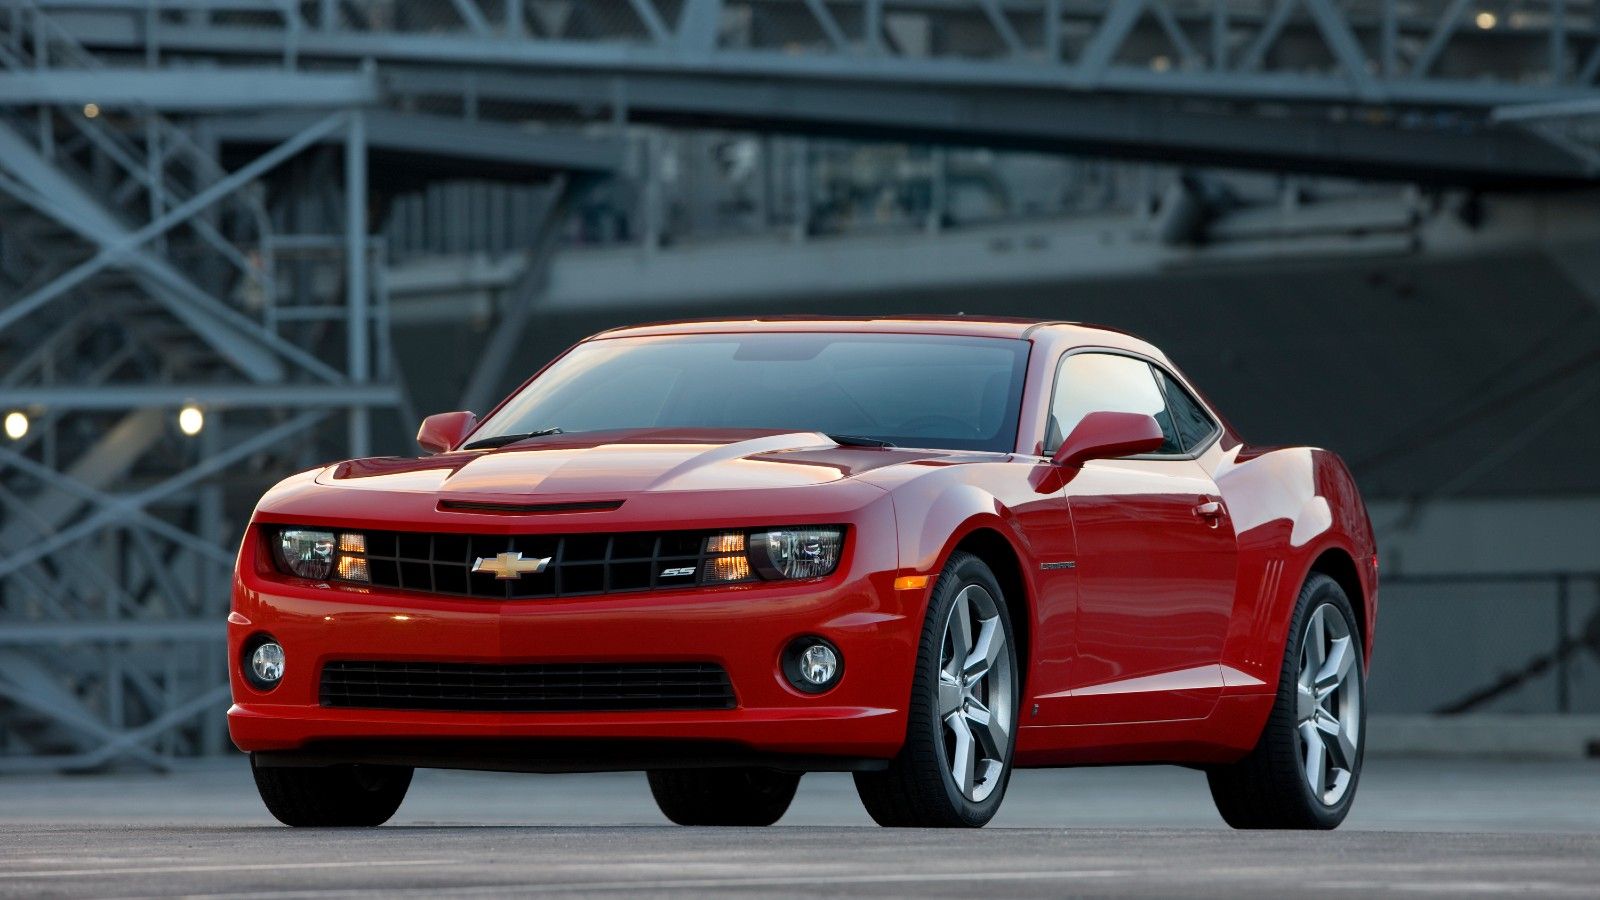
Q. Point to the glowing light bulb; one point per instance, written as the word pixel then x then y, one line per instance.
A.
pixel 191 420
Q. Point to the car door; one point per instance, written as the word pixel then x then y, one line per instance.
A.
pixel 1156 552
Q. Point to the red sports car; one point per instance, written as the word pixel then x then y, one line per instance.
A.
pixel 922 550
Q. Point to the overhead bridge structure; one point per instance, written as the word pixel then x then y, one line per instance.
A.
pixel 1436 90
pixel 216 216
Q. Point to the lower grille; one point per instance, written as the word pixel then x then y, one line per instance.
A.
pixel 556 687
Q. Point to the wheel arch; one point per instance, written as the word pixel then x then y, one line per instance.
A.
pixel 1337 563
pixel 1002 558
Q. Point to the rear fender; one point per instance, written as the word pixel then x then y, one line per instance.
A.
pixel 1290 506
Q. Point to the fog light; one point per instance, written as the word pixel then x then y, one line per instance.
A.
pixel 812 664
pixel 818 664
pixel 266 665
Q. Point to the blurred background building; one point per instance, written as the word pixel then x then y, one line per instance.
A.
pixel 242 237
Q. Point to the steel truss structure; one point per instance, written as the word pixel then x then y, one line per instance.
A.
pixel 1443 90
pixel 141 276
pixel 184 221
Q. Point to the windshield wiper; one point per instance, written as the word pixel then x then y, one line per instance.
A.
pixel 855 440
pixel 500 440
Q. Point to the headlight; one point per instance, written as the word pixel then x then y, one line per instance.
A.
pixel 321 555
pixel 781 553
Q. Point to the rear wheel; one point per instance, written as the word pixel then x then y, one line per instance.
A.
pixel 753 797
pixel 952 771
pixel 1304 769
pixel 348 796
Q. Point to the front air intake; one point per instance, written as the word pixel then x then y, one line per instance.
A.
pixel 547 687
pixel 573 564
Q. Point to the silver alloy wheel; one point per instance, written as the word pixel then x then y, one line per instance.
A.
pixel 975 687
pixel 1328 711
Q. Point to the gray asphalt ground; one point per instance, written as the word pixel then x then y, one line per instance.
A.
pixel 1429 827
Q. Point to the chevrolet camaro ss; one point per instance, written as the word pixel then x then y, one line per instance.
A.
pixel 925 551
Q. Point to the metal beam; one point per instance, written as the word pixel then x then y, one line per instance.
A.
pixel 1002 26
pixel 444 138
pixel 227 396
pixel 1108 39
pixel 651 17
pixel 122 246
pixel 358 324
pixel 50 191
pixel 518 305
pixel 733 274
pixel 1449 21
pixel 104 463
pixel 472 16
pixel 29 684
pixel 698 24
pixel 69 483
pixel 617 58
pixel 1563 109
pixel 111 514
pixel 1169 23
pixel 181 90
pixel 828 24
pixel 1346 49
pixel 1255 56
pixel 1094 124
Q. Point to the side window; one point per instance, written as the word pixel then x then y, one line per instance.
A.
pixel 1188 416
pixel 1105 382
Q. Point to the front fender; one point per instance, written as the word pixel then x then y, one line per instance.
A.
pixel 1002 512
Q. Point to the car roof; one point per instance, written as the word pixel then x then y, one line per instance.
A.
pixel 975 326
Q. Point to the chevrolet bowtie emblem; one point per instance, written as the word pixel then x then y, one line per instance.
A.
pixel 510 566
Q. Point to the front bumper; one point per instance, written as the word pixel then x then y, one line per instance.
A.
pixel 743 628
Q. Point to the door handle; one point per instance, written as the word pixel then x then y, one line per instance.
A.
pixel 1209 509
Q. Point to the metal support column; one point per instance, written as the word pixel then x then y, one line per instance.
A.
pixel 359 321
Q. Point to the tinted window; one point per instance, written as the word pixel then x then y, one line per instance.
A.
pixel 1104 382
pixel 1188 416
pixel 960 393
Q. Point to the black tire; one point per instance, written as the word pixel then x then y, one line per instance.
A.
pixel 331 796
pixel 750 797
pixel 1269 787
pixel 917 790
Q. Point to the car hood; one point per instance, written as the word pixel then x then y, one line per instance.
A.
pixel 614 465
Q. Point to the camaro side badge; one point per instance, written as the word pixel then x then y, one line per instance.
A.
pixel 1065 564
pixel 510 566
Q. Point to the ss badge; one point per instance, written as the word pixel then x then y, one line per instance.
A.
pixel 677 573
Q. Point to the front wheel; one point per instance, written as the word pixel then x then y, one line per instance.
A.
pixel 1304 769
pixel 952 771
pixel 345 796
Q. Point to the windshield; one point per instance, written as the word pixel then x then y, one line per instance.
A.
pixel 934 391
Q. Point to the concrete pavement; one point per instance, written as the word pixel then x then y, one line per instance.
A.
pixel 1448 827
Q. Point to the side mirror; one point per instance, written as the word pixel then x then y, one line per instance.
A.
pixel 442 432
pixel 1109 435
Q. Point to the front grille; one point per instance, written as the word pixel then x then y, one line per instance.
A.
pixel 554 687
pixel 579 563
